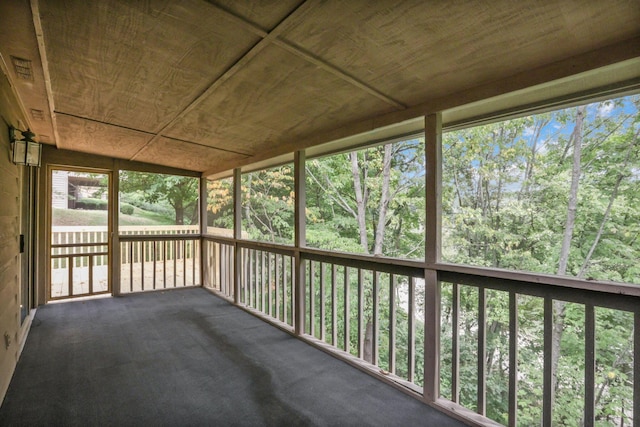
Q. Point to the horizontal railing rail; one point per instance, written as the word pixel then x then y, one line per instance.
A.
pixel 602 297
pixel 152 237
pixel 380 264
pixel 569 282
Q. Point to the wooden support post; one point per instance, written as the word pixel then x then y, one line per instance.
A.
pixel 636 368
pixel 589 364
pixel 513 359
pixel 482 351
pixel 237 234
pixel 114 259
pixel 548 393
pixel 433 179
pixel 299 281
pixel 204 272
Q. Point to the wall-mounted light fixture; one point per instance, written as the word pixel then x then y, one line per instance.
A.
pixel 26 151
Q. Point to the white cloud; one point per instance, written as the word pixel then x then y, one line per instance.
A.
pixel 605 109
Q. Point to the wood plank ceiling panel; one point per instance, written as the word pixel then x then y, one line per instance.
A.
pixel 104 139
pixel 136 64
pixel 415 50
pixel 179 154
pixel 276 98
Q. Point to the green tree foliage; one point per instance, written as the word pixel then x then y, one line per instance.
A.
pixel 181 193
pixel 268 204
pixel 220 203
pixel 555 193
pixel 368 201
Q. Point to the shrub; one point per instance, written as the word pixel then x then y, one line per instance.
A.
pixel 126 209
pixel 92 204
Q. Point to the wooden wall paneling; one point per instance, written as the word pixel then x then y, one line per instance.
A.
pixel 10 114
pixel 9 232
pixel 9 329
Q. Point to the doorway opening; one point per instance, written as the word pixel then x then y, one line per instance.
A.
pixel 80 233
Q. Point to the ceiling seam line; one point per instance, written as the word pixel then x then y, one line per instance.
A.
pixel 37 26
pixel 232 70
pixel 89 119
pixel 223 78
pixel 338 72
pixel 326 65
pixel 210 146
pixel 249 26
pixel 149 133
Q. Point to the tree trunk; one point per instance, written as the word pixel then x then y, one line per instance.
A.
pixel 360 202
pixel 384 200
pixel 612 199
pixel 528 174
pixel 179 212
pixel 368 343
pixel 559 307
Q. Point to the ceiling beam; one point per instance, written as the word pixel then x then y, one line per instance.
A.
pixel 37 25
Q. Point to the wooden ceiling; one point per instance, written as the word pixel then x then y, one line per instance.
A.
pixel 211 85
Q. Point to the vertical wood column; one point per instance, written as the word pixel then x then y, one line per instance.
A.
pixel 204 250
pixel 636 368
pixel 114 208
pixel 433 178
pixel 237 233
pixel 300 241
pixel 548 392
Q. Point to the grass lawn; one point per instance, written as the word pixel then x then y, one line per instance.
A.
pixel 79 217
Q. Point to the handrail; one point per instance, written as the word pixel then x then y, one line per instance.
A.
pixel 411 267
pixel 364 261
pixel 152 237
pixel 82 255
pixel 78 245
pixel 539 279
pixel 367 262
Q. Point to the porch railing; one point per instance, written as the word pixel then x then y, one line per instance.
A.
pixel 483 318
pixel 375 311
pixel 150 262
